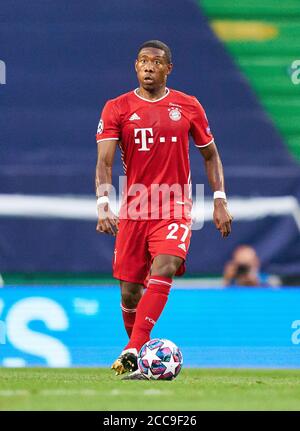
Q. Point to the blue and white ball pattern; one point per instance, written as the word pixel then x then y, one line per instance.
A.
pixel 160 359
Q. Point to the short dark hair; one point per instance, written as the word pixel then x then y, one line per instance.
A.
pixel 159 45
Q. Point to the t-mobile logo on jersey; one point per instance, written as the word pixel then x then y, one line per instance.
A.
pixel 144 137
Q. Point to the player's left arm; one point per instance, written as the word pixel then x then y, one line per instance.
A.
pixel 214 169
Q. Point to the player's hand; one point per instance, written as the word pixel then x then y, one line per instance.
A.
pixel 222 217
pixel 108 222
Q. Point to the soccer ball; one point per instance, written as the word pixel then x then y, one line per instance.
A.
pixel 160 359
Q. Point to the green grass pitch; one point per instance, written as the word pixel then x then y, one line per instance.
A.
pixel 194 389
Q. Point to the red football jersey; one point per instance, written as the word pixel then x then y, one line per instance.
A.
pixel 153 137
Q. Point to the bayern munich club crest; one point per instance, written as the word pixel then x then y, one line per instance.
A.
pixel 174 114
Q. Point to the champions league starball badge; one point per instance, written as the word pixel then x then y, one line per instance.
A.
pixel 174 114
pixel 100 127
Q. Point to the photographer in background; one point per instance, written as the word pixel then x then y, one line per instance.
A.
pixel 244 270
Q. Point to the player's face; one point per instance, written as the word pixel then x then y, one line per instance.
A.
pixel 152 68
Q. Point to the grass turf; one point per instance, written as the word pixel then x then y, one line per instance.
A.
pixel 194 389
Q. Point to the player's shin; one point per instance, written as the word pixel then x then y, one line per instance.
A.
pixel 149 309
pixel 128 318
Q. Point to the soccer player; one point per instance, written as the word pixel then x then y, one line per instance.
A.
pixel 151 126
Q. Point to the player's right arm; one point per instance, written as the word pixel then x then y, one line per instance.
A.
pixel 108 135
pixel 107 220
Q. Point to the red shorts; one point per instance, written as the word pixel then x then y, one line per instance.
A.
pixel 138 242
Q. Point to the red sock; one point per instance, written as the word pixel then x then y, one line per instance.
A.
pixel 149 309
pixel 128 318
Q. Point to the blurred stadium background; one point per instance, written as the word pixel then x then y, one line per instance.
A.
pixel 59 305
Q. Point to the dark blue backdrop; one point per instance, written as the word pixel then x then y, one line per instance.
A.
pixel 64 60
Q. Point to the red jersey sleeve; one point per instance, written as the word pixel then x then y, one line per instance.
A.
pixel 108 127
pixel 200 129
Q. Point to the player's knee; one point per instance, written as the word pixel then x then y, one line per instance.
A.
pixel 167 269
pixel 131 294
pixel 128 300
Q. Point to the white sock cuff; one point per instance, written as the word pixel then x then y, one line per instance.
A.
pixel 127 310
pixel 155 281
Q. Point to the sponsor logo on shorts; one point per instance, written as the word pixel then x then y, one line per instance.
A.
pixel 182 246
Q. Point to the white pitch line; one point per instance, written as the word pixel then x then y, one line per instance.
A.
pixel 146 392
pixel 13 393
pixel 79 392
pixel 69 392
pixel 157 392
